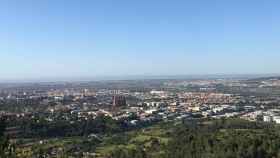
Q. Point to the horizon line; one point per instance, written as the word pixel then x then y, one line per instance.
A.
pixel 138 77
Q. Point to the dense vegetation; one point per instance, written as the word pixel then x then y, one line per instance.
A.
pixel 213 139
pixel 6 149
pixel 62 128
pixel 40 127
pixel 225 138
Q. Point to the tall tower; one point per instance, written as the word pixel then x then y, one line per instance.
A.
pixel 118 100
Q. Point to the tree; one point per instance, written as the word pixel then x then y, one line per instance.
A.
pixel 7 150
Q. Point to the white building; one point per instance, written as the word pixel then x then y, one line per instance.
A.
pixel 267 118
pixel 276 119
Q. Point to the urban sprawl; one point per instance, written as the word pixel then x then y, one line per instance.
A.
pixel 47 110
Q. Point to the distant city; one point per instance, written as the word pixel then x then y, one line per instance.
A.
pixel 134 103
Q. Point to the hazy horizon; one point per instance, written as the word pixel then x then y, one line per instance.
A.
pixel 86 39
pixel 138 77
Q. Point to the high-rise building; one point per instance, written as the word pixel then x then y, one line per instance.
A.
pixel 119 100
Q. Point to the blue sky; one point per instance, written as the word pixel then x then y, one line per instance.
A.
pixel 88 38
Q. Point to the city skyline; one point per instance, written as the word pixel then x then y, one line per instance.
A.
pixel 71 39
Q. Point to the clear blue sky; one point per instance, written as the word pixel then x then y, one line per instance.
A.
pixel 88 38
